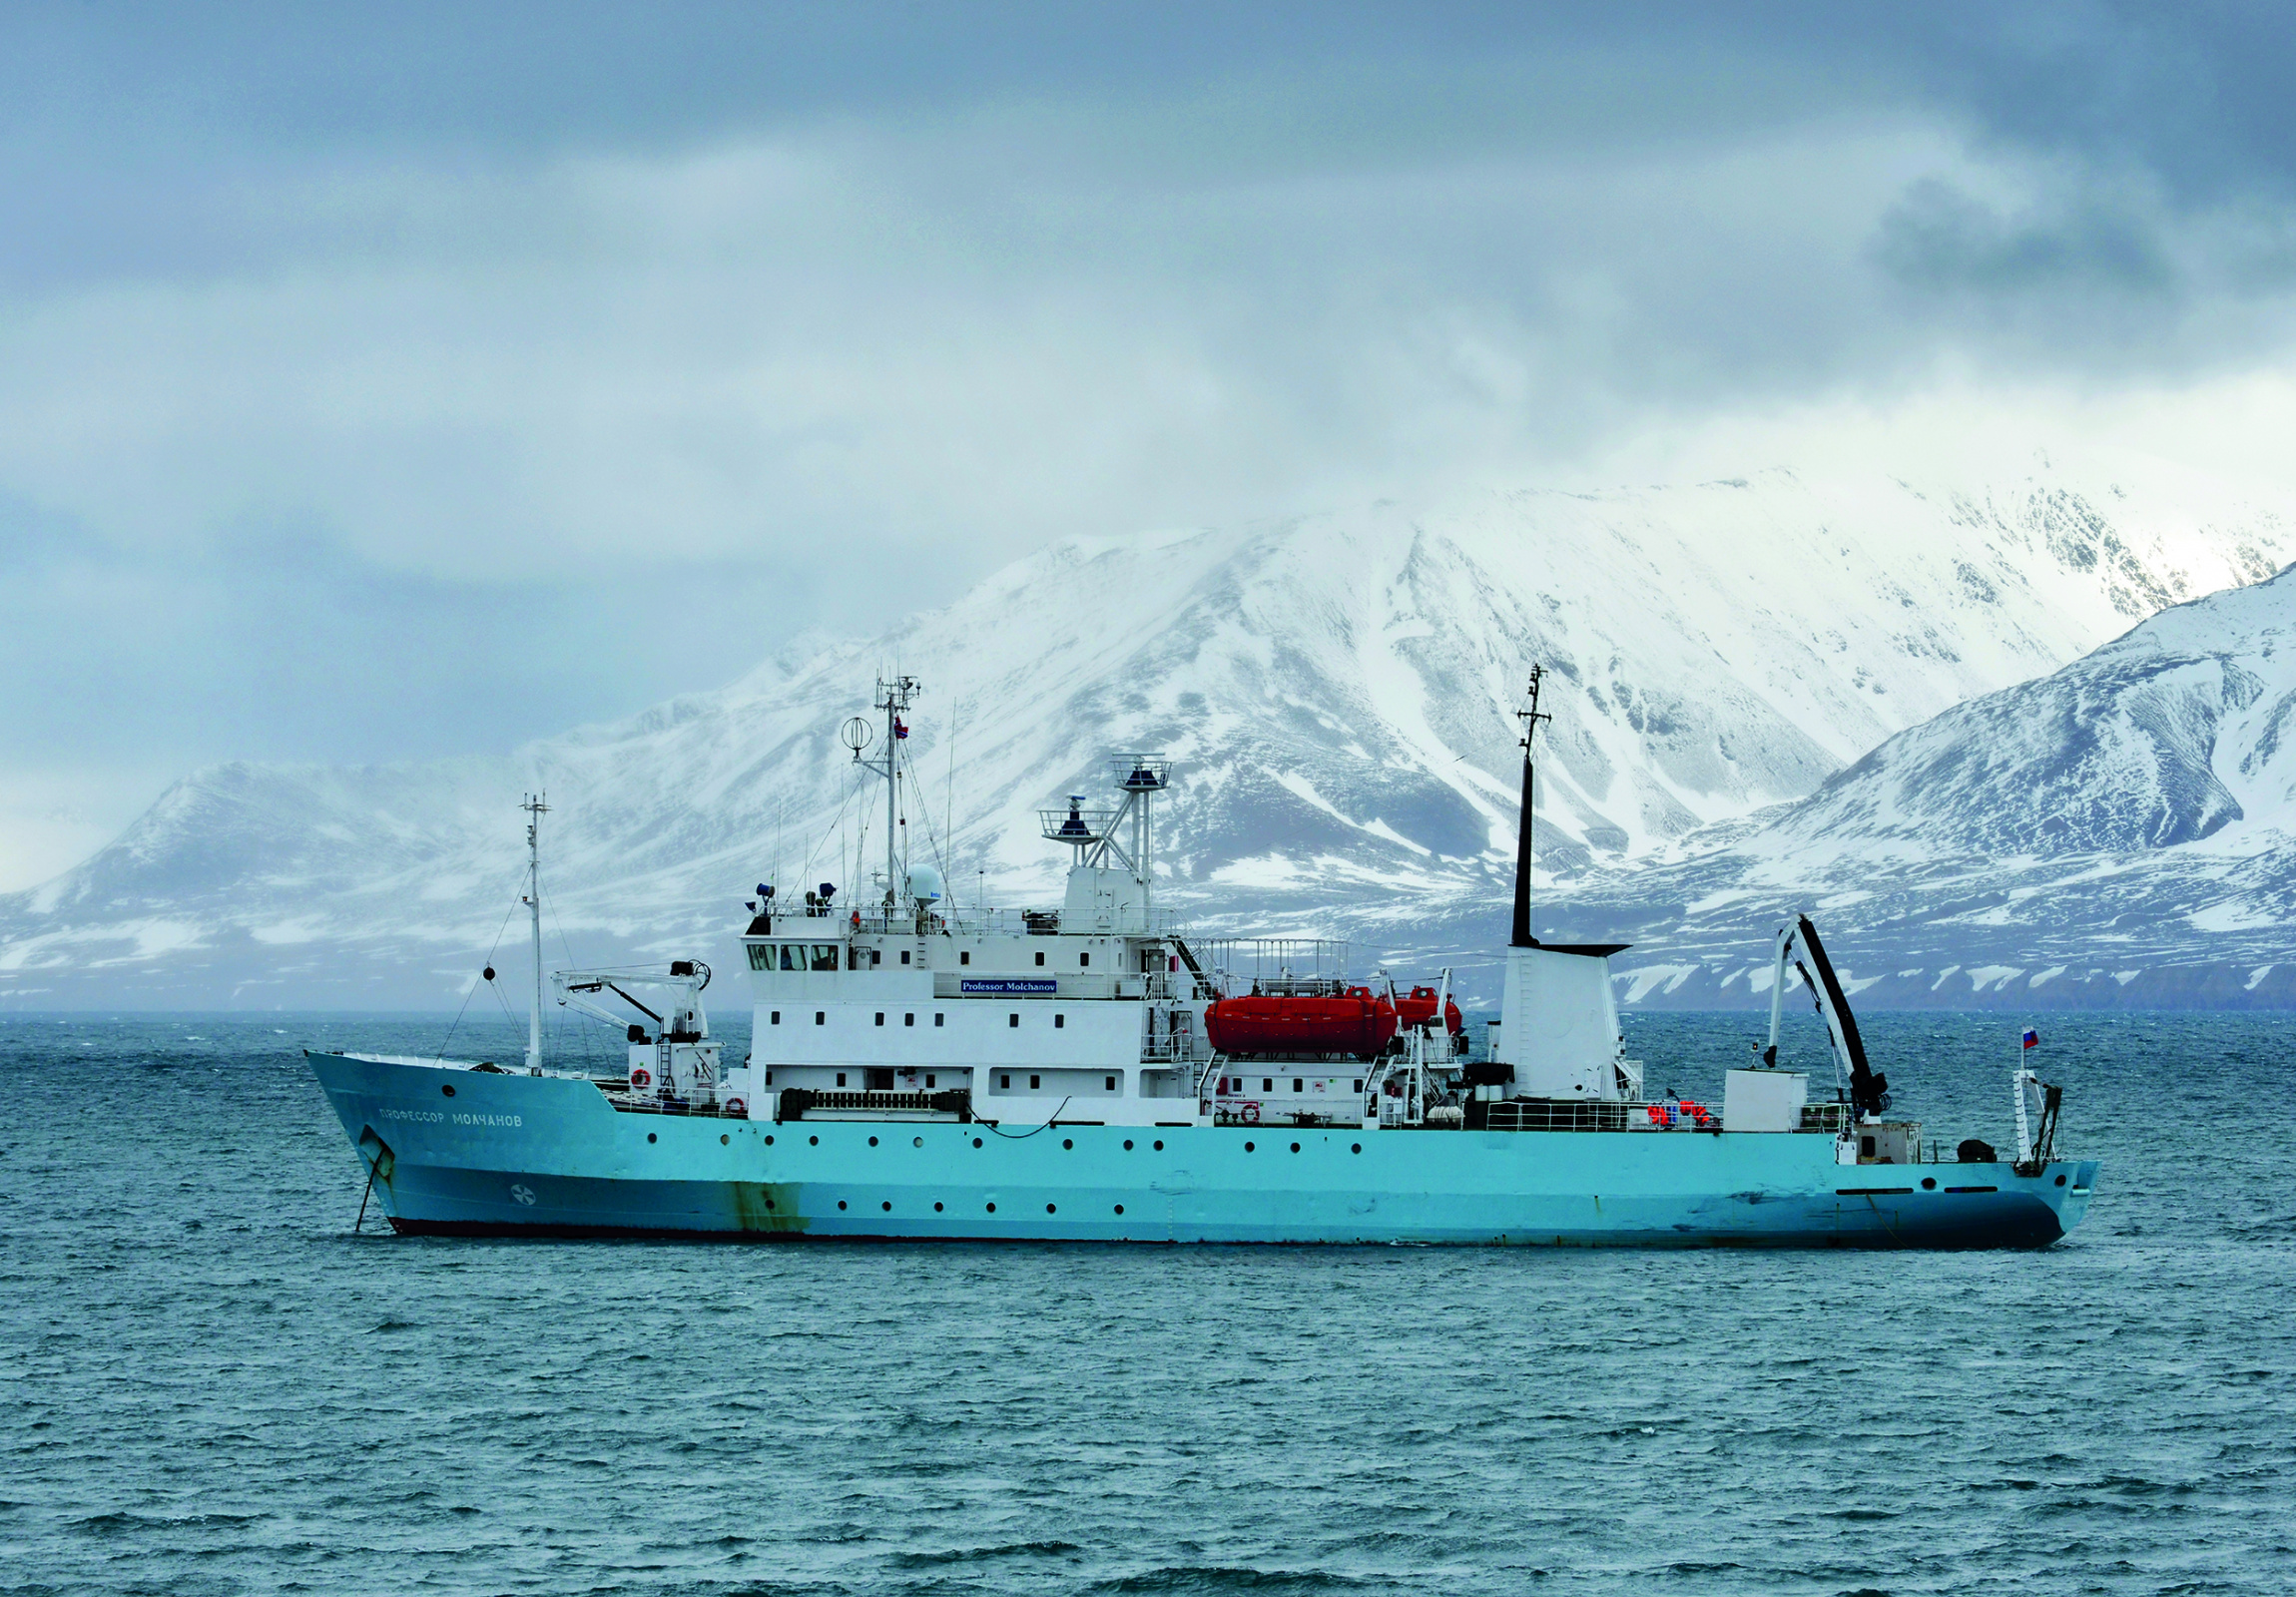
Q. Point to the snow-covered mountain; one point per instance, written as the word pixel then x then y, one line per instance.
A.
pixel 1336 693
pixel 2120 831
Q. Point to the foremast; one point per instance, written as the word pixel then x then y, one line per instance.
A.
pixel 535 810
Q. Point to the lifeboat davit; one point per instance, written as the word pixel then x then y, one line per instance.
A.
pixel 1419 1008
pixel 1350 1022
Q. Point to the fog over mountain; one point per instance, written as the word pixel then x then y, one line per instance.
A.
pixel 1336 694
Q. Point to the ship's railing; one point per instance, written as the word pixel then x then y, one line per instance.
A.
pixel 1560 1114
pixel 1833 1118
pixel 973 922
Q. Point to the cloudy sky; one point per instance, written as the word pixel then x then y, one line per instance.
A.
pixel 394 380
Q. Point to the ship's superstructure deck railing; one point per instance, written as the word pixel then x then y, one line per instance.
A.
pixel 960 922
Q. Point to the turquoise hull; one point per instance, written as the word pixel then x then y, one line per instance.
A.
pixel 550 1156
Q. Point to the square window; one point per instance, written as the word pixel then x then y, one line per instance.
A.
pixel 1359 1086
pixel 777 1017
pixel 1035 1082
pixel 819 1019
pixel 1004 1081
pixel 909 1020
pixel 1059 1021
pixel 1298 1085
pixel 904 956
pixel 1040 956
pixel 840 1078
pixel 1267 1085
pixel 964 956
pixel 1012 1020
pixel 1111 1083
pixel 936 1019
pixel 928 1078
pixel 877 956
pixel 769 1078
pixel 1082 960
pixel 880 1017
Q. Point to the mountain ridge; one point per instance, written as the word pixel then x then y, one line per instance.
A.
pixel 1336 693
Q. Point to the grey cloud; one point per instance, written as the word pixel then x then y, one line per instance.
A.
pixel 1940 237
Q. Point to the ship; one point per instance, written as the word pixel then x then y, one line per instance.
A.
pixel 1092 1072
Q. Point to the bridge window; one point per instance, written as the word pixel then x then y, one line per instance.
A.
pixel 824 957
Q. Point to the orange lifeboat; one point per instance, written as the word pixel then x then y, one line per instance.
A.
pixel 1418 1008
pixel 1350 1022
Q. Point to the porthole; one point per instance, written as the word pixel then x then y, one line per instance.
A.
pixel 1127 1145
pixel 1928 1184
pixel 1048 1208
pixel 977 1142
pixel 769 1138
pixel 992 1209
pixel 2060 1181
pixel 1159 1147
pixel 1295 1147
pixel 814 1141
pixel 769 1202
pixel 1354 1148
pixel 448 1089
pixel 872 1142
pixel 889 1206
pixel 1068 1142
pixel 722 1139
pixel 937 1209
pixel 650 1137
pixel 917 1142
pixel 1120 1209
pixel 1247 1146
pixel 841 1203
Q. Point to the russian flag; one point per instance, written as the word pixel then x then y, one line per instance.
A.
pixel 2033 1039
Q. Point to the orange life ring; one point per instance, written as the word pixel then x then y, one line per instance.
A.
pixel 1251 1114
pixel 735 1105
pixel 640 1077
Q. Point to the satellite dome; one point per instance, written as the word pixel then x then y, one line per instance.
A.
pixel 926 885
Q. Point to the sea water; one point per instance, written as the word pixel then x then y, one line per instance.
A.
pixel 212 1383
